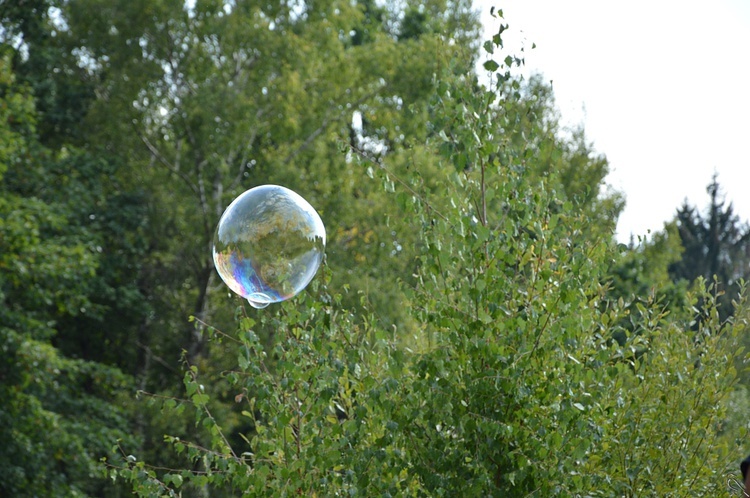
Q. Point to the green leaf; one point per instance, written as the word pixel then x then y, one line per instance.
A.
pixel 200 399
pixel 177 480
pixel 491 65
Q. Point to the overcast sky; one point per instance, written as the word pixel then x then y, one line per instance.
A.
pixel 662 87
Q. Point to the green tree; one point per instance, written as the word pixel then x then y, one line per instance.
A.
pixel 716 244
pixel 641 276
pixel 175 110
pixel 54 66
pixel 59 415
pixel 512 387
pixel 460 332
pixel 572 167
pixel 218 98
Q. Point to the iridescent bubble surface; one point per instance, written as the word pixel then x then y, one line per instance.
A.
pixel 268 245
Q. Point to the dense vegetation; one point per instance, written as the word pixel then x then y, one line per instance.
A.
pixel 475 329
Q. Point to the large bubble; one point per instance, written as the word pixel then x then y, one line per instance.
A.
pixel 268 245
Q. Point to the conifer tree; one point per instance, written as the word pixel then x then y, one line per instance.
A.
pixel 716 243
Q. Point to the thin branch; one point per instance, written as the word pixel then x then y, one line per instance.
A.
pixel 194 377
pixel 309 139
pixel 165 162
pixel 244 158
pixel 484 196
pixel 327 121
pixel 158 358
pixel 379 163
pixel 227 336
pixel 202 196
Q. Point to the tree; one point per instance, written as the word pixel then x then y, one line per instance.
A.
pixel 54 66
pixel 215 99
pixel 175 110
pixel 571 164
pixel 460 332
pixel 59 415
pixel 641 276
pixel 716 244
pixel 512 385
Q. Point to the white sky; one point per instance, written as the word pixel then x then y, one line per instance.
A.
pixel 662 87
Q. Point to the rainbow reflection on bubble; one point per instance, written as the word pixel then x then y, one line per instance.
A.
pixel 268 245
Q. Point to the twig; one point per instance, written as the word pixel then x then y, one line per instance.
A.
pixel 379 163
pixel 172 169
pixel 327 121
pixel 158 358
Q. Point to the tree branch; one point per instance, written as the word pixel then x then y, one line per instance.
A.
pixel 165 162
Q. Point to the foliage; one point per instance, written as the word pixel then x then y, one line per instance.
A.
pixel 510 386
pixel 715 243
pixel 640 276
pixel 59 414
pixel 474 331
pixel 47 58
pixel 569 162
pixel 214 99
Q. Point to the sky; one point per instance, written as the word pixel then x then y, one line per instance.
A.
pixel 662 88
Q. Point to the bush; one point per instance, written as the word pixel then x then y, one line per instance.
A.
pixel 513 384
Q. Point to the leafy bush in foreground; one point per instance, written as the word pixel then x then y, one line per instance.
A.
pixel 512 385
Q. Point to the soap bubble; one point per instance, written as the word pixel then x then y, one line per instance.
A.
pixel 268 245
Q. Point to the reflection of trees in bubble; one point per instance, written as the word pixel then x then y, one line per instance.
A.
pixel 278 239
pixel 283 255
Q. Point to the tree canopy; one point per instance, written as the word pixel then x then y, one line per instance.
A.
pixel 716 244
pixel 475 330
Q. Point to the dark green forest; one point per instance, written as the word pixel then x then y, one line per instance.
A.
pixel 475 328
